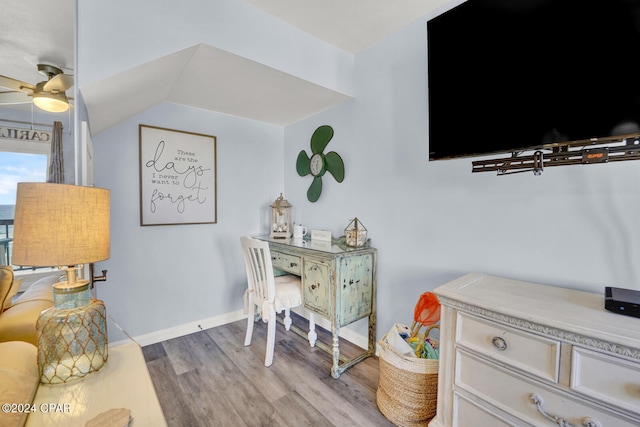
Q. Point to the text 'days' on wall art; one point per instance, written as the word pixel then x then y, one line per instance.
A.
pixel 177 177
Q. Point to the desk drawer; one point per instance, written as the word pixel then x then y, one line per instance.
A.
pixel 289 263
pixel 529 352
pixel 316 283
pixel 606 378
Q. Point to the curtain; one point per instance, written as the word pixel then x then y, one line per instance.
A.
pixel 56 161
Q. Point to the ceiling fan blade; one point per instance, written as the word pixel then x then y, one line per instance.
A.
pixel 315 189
pixel 321 138
pixel 60 83
pixel 335 165
pixel 14 98
pixel 14 84
pixel 302 164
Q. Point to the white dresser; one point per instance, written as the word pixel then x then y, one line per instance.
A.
pixel 521 354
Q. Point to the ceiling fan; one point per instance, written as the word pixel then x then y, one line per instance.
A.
pixel 48 95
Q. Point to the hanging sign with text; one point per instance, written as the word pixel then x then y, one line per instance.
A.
pixel 30 135
pixel 177 177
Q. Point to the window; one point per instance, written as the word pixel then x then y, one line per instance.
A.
pixel 19 167
pixel 21 160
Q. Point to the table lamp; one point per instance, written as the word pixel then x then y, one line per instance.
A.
pixel 66 226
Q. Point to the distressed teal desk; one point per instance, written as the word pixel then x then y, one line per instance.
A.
pixel 338 283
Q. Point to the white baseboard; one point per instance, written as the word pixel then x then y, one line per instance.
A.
pixel 211 322
pixel 186 328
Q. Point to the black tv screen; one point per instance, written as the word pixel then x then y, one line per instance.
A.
pixel 507 75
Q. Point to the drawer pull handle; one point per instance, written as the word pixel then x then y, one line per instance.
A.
pixel 293 264
pixel 499 343
pixel 536 399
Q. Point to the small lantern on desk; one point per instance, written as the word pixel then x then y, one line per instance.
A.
pixel 356 233
pixel 281 216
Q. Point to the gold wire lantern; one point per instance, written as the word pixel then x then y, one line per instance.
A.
pixel 356 233
pixel 281 216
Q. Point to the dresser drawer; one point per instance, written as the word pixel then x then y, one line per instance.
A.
pixel 470 413
pixel 285 262
pixel 531 353
pixel 513 393
pixel 606 378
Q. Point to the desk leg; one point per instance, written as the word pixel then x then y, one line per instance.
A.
pixel 374 310
pixel 335 369
pixel 312 335
pixel 338 368
pixel 339 363
pixel 372 333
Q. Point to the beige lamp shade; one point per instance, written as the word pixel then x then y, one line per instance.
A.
pixel 60 225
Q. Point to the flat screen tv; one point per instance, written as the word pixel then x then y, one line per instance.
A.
pixel 508 75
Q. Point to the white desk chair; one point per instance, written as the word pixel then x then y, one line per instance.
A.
pixel 270 294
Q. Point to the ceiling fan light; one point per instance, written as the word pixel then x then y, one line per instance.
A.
pixel 51 102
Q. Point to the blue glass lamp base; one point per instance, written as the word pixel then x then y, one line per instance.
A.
pixel 72 338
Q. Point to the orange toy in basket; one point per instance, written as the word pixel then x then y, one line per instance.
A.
pixel 427 312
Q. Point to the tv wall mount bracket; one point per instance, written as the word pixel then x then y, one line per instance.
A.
pixel 586 151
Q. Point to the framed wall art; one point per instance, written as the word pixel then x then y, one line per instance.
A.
pixel 177 177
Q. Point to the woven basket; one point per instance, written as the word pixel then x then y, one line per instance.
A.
pixel 408 388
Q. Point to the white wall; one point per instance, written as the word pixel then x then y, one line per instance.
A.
pixel 573 226
pixel 160 277
pixel 163 277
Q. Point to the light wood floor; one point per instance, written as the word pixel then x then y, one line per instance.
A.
pixel 210 379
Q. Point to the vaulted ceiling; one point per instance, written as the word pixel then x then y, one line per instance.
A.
pixel 41 31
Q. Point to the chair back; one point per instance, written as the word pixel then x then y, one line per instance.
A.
pixel 257 258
